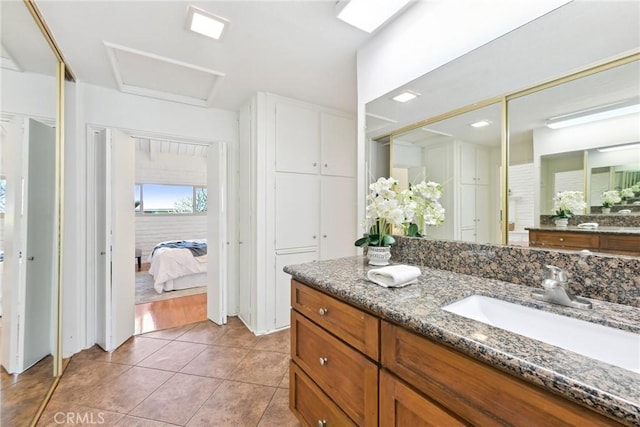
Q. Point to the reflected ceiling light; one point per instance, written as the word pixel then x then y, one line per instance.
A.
pixel 619 148
pixel 405 96
pixel 367 15
pixel 594 114
pixel 205 23
pixel 480 124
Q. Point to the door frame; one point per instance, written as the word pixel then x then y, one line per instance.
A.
pixel 91 290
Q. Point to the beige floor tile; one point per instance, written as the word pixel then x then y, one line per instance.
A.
pixel 126 391
pixel 81 377
pixel 278 413
pixel 20 401
pixel 59 414
pixel 128 421
pixel 169 334
pixel 234 404
pixel 235 322
pixel 278 341
pixel 174 356
pixel 216 361
pixel 135 349
pixel 237 337
pixel 262 367
pixel 178 399
pixel 285 380
pixel 204 333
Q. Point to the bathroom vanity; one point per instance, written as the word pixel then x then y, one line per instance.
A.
pixel 607 239
pixel 367 355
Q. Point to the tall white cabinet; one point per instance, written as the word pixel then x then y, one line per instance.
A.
pixel 474 193
pixel 297 199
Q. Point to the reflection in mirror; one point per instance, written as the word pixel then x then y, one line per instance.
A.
pixel 28 227
pixel 462 153
pixel 581 135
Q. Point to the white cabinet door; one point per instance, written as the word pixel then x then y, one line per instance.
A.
pixel 297 210
pixel 467 164
pixel 283 284
pixel 467 206
pixel 482 166
pixel 338 217
pixel 297 137
pixel 483 226
pixel 337 145
pixel 468 235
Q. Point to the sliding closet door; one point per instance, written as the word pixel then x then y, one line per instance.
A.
pixel 115 167
pixel 217 233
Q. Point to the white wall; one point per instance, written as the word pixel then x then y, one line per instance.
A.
pixel 167 168
pixel 89 104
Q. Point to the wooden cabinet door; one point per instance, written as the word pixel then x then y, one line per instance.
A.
pixel 338 215
pixel 297 138
pixel 338 144
pixel 297 210
pixel 402 406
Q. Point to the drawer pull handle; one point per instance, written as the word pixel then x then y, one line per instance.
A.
pixel 562 239
pixel 322 423
pixel 323 361
pixel 323 311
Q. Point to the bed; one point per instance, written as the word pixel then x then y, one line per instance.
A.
pixel 174 266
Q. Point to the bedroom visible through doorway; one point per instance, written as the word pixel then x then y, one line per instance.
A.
pixel 170 199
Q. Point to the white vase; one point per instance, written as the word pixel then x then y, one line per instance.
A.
pixel 561 222
pixel 379 255
pixel 606 211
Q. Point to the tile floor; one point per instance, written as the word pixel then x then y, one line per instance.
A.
pixel 195 375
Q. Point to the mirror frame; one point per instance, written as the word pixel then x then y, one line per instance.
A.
pixel 504 99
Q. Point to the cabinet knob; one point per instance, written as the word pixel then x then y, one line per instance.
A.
pixel 323 361
pixel 30 258
pixel 562 239
pixel 314 236
pixel 326 165
pixel 323 311
pixel 315 164
pixel 322 423
pixel 324 235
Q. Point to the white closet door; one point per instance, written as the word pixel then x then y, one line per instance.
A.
pixel 338 217
pixel 283 283
pixel 116 291
pixel 297 131
pixel 483 219
pixel 297 210
pixel 338 145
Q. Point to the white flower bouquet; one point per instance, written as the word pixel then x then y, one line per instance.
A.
pixel 568 203
pixel 424 207
pixel 610 198
pixel 626 193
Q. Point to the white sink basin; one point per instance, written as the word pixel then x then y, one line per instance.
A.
pixel 610 345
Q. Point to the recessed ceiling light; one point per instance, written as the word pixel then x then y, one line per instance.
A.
pixel 481 124
pixel 368 15
pixel 405 96
pixel 205 23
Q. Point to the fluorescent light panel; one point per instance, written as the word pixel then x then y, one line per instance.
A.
pixel 620 148
pixel 405 96
pixel 205 23
pixel 367 15
pixel 480 124
pixel 593 114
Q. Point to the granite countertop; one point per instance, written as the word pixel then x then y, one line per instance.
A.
pixel 601 229
pixel 605 388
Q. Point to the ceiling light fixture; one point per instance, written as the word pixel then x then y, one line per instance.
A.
pixel 480 124
pixel 594 114
pixel 406 96
pixel 619 148
pixel 367 15
pixel 205 23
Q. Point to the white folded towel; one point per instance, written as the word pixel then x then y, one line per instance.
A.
pixel 394 276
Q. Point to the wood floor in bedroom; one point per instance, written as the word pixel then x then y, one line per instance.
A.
pixel 195 375
pixel 170 313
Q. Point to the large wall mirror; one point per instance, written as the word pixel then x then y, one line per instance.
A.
pixel 581 135
pixel 29 225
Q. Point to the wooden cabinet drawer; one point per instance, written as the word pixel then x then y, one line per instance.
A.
pixel 478 393
pixel 345 375
pixel 621 244
pixel 310 404
pixel 354 326
pixel 400 405
pixel 564 240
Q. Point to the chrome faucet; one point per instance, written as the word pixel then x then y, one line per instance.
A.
pixel 556 290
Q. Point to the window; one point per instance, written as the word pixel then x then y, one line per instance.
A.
pixel 163 199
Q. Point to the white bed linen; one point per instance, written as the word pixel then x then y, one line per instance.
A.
pixel 172 263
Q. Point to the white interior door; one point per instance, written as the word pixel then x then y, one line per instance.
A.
pixel 216 233
pixel 115 249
